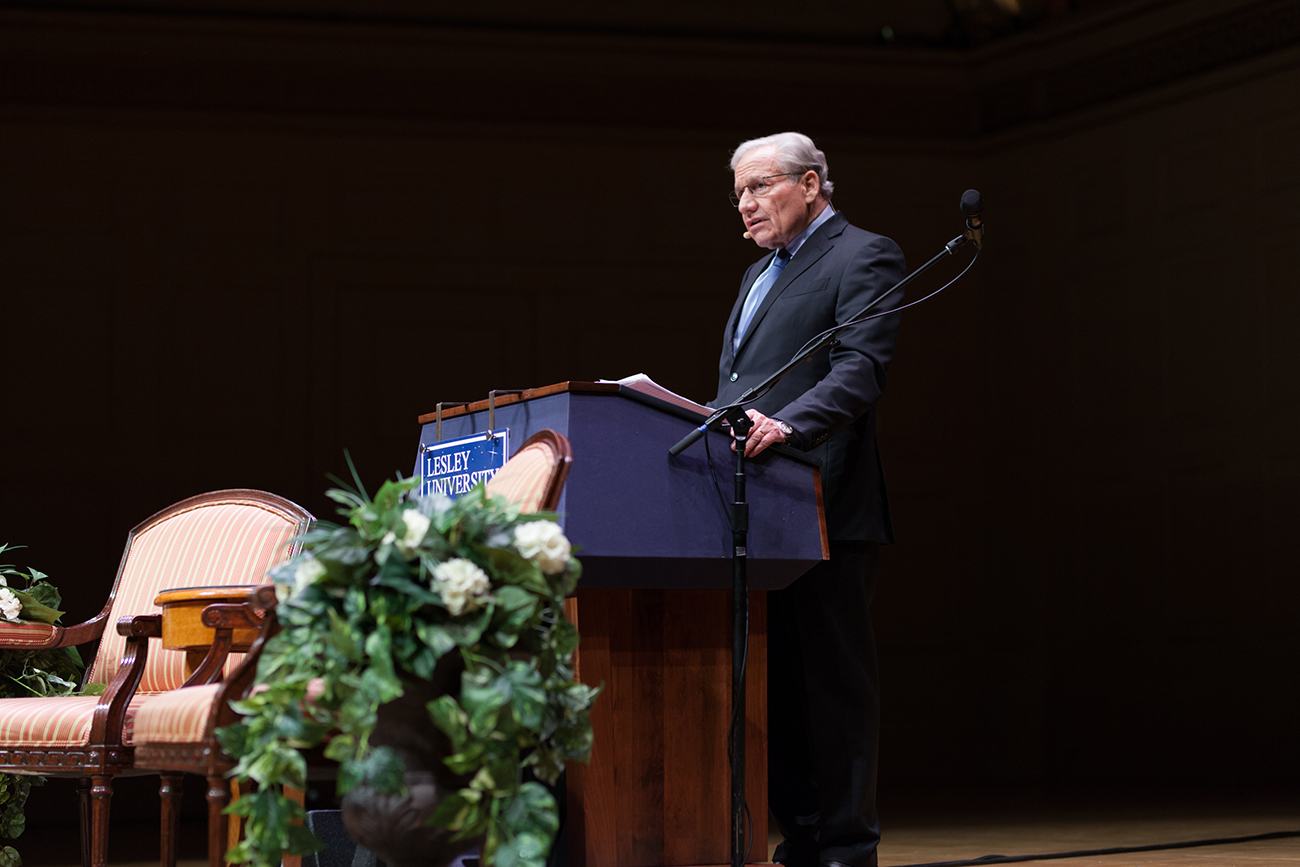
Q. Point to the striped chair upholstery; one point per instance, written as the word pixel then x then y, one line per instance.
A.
pixel 226 537
pixel 177 717
pixel 534 476
pixel 54 722
pixel 24 634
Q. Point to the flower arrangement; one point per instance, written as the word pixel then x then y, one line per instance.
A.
pixel 377 603
pixel 29 673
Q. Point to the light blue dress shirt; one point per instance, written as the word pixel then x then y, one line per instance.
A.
pixel 771 273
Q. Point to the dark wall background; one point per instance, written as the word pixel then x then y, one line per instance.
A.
pixel 232 245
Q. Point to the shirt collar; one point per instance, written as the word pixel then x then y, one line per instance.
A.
pixel 826 214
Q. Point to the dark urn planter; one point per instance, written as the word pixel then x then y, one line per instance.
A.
pixel 395 827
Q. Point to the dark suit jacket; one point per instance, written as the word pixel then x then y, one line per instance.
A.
pixel 829 401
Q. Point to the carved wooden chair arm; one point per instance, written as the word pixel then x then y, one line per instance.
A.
pixel 224 618
pixel 249 614
pixel 230 615
pixel 140 626
pixel 241 679
pixel 110 713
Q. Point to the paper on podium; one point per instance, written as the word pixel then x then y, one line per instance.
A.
pixel 644 384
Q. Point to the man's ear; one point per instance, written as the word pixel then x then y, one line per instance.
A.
pixel 812 186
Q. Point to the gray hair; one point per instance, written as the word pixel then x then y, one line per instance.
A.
pixel 795 152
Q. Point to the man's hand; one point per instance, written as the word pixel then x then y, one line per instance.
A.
pixel 763 434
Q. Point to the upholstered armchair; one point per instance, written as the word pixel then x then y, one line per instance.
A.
pixel 225 537
pixel 176 733
pixel 535 474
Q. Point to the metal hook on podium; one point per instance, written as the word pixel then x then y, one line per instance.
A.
pixel 437 414
pixel 492 406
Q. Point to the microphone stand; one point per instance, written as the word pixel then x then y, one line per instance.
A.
pixel 740 426
pixel 734 414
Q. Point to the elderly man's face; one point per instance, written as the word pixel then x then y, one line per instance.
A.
pixel 775 219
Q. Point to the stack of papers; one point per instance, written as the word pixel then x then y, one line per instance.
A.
pixel 644 384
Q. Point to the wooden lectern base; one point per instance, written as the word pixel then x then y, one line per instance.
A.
pixel 657 791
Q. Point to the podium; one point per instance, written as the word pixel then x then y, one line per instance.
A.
pixel 653 609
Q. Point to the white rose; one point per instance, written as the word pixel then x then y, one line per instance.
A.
pixel 461 584
pixel 544 542
pixel 417 526
pixel 308 572
pixel 3 582
pixel 10 607
pixel 435 502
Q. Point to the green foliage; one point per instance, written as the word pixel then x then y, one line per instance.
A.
pixel 405 582
pixel 25 673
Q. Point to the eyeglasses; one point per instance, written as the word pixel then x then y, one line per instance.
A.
pixel 758 189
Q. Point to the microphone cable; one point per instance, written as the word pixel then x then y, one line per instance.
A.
pixel 858 321
pixel 1114 850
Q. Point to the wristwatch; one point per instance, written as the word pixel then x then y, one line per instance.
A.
pixel 785 429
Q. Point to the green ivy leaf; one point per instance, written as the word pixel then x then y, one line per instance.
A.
pixel 234 739
pixel 43 591
pixel 564 639
pixel 482 696
pixel 436 637
pixel 467 630
pixel 402 582
pixel 35 610
pixel 423 663
pixel 567 581
pixel 383 770
pixel 450 718
pixel 342 637
pixel 513 569
pixel 301 841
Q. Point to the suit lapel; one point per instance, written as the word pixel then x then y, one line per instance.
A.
pixel 745 284
pixel 813 249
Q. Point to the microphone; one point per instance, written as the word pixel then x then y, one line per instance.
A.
pixel 972 204
pixel 688 440
pixel 747 236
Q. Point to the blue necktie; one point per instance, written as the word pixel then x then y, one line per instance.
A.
pixel 757 293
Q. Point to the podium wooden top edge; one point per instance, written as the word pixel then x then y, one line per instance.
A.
pixel 573 386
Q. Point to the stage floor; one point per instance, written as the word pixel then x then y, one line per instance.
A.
pixel 949 826
pixel 925 827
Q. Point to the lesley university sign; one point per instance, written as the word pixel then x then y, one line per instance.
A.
pixel 454 467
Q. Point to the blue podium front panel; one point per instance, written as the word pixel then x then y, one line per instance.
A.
pixel 643 519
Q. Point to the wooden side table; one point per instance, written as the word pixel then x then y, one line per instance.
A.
pixel 182 624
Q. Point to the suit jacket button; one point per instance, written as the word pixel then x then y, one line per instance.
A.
pixel 735 376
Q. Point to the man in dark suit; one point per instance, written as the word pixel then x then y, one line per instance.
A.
pixel 823 690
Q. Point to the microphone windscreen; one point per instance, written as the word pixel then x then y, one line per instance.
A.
pixel 746 236
pixel 971 203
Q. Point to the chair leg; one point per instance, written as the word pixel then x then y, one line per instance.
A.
pixel 299 797
pixel 218 795
pixel 170 787
pixel 101 795
pixel 234 824
pixel 83 802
